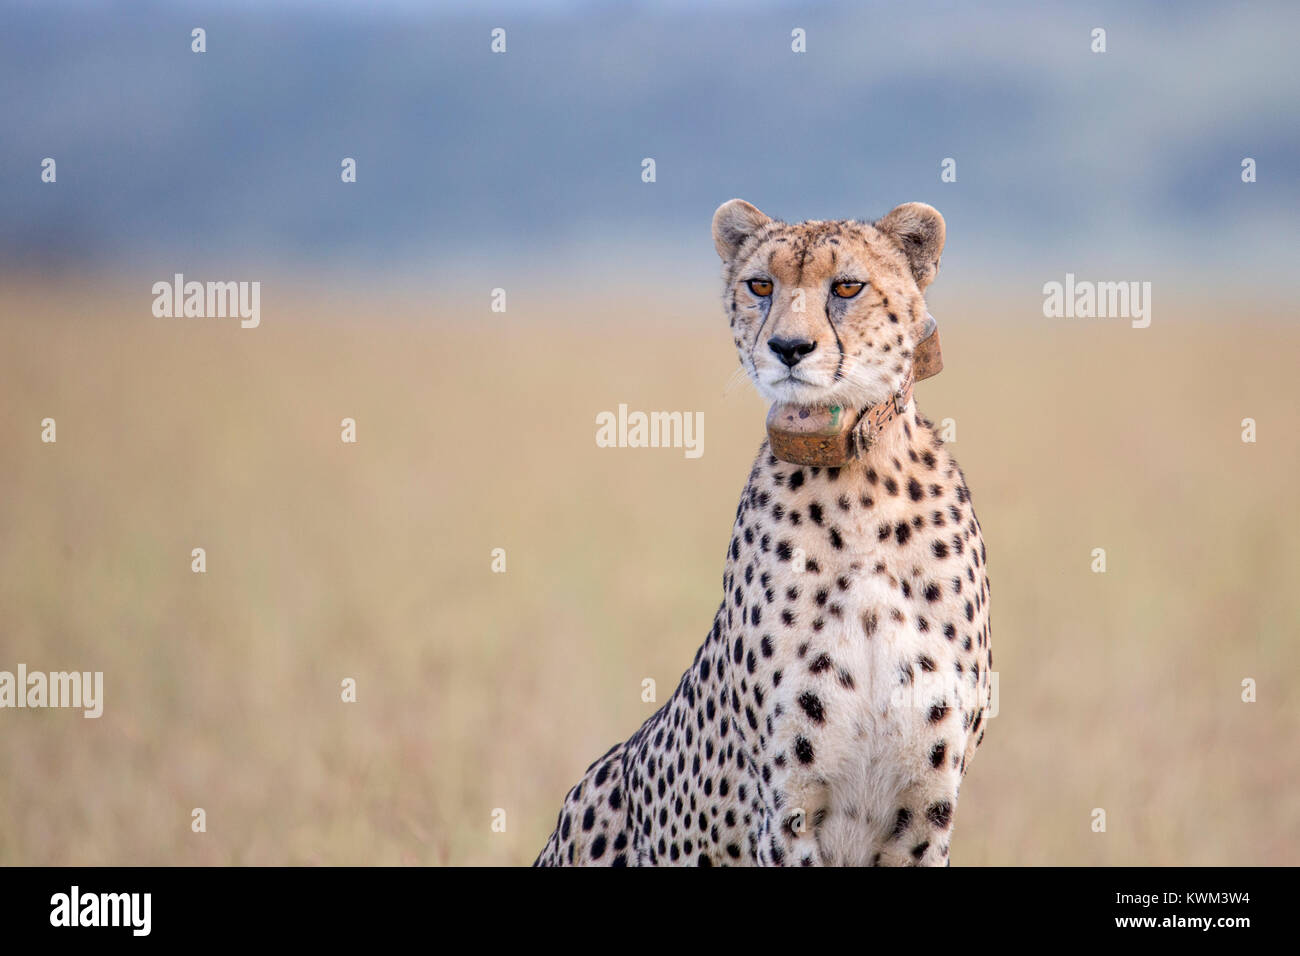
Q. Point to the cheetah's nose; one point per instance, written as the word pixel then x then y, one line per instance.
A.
pixel 791 351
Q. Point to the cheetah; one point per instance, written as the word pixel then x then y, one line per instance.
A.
pixel 834 708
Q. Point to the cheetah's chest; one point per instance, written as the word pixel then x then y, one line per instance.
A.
pixel 855 713
pixel 876 660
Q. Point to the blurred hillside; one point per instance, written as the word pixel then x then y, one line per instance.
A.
pixel 1126 164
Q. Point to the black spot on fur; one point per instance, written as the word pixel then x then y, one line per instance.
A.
pixel 812 706
pixel 901 822
pixel 937 753
pixel 940 814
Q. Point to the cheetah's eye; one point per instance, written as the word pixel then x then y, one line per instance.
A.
pixel 847 290
pixel 760 287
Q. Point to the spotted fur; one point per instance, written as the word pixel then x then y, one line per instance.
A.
pixel 833 709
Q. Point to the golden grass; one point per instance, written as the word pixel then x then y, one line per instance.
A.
pixel 480 691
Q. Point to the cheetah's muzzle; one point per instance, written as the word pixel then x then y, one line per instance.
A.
pixel 833 436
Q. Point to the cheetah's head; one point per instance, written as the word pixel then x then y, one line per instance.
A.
pixel 827 313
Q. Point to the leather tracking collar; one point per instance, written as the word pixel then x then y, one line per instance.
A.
pixel 826 436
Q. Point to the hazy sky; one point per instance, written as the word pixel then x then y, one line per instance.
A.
pixel 1123 163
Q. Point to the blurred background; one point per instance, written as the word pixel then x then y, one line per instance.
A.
pixel 481 691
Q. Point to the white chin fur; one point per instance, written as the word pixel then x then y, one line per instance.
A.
pixel 776 388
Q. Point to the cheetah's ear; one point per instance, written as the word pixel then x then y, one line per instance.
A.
pixel 733 223
pixel 920 230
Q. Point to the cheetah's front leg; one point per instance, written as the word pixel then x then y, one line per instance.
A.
pixel 922 824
